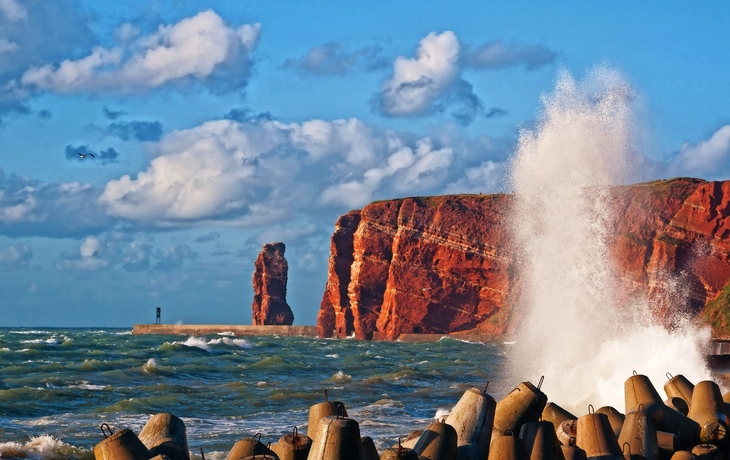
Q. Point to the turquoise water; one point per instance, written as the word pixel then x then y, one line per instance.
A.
pixel 58 385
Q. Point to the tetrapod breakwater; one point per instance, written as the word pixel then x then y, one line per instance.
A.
pixel 690 423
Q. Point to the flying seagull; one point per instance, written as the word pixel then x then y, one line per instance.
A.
pixel 84 155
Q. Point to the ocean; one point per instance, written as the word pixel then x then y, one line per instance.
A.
pixel 57 386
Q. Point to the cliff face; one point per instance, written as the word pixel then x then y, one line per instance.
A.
pixel 446 264
pixel 335 316
pixel 269 287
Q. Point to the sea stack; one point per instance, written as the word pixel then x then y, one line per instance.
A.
pixel 269 287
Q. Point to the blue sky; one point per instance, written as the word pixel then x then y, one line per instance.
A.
pixel 220 126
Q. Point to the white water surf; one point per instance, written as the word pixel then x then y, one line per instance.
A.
pixel 574 331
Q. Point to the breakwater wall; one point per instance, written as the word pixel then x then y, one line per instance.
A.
pixel 718 347
pixel 304 331
pixel 238 330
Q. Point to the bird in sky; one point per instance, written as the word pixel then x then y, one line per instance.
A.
pixel 84 155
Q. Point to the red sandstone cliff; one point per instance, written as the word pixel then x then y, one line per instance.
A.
pixel 269 287
pixel 445 264
pixel 335 316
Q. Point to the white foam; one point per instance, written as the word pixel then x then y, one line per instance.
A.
pixel 38 447
pixel 194 342
pixel 242 343
pixel 473 342
pixel 42 421
pixel 150 364
pixel 340 377
pixel 573 329
pixel 52 341
pixel 441 414
pixel 88 386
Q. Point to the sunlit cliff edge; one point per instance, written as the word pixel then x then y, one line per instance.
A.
pixel 446 264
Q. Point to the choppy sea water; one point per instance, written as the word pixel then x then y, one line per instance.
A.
pixel 57 386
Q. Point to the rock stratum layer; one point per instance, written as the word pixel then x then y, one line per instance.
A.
pixel 269 287
pixel 446 264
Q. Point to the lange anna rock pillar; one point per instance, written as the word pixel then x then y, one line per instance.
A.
pixel 269 287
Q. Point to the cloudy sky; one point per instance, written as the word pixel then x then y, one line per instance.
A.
pixel 220 126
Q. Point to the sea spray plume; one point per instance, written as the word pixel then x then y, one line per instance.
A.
pixel 572 329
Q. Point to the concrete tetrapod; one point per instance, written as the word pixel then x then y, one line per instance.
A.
pixel 121 445
pixel 639 391
pixel 248 447
pixel 708 410
pixel 399 453
pixel 726 398
pixel 679 387
pixel 596 437
pixel 668 444
pixel 410 440
pixel 165 434
pixel 320 411
pixel 573 453
pixel 678 404
pixel 369 452
pixel 639 434
pixel 540 441
pixel 507 448
pixel 472 419
pixel 615 418
pixel 706 452
pixel 293 446
pixel 523 404
pixel 556 414
pixel 683 455
pixel 566 432
pixel 338 439
pixel 437 442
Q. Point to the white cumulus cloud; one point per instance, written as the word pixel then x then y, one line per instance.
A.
pixel 30 207
pixel 15 256
pixel 485 178
pixel 200 172
pixel 708 159
pixel 406 169
pixel 352 139
pixel 263 173
pixel 90 258
pixel 6 46
pixel 417 83
pixel 432 81
pixel 202 47
pixel 13 10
